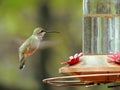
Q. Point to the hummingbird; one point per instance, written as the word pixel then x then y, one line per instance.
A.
pixel 32 44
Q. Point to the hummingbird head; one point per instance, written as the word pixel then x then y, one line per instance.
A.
pixel 41 32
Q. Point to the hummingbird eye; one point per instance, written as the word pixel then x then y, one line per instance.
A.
pixel 42 31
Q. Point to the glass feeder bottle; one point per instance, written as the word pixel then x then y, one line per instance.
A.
pixel 101 26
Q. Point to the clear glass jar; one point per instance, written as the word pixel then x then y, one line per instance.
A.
pixel 101 26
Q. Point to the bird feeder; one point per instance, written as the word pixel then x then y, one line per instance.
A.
pixel 99 61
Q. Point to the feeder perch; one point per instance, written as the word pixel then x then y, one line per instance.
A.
pixel 100 61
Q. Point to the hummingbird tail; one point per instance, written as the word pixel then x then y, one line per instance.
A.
pixel 22 65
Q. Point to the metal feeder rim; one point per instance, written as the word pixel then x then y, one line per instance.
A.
pixel 60 81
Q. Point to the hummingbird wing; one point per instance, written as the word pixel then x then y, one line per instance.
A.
pixel 47 44
pixel 43 44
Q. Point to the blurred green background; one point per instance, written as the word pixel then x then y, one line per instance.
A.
pixel 18 18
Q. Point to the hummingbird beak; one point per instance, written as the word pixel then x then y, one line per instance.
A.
pixel 51 31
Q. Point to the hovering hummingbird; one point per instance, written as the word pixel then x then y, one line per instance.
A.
pixel 31 45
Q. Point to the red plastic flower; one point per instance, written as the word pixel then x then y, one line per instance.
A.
pixel 73 59
pixel 114 57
